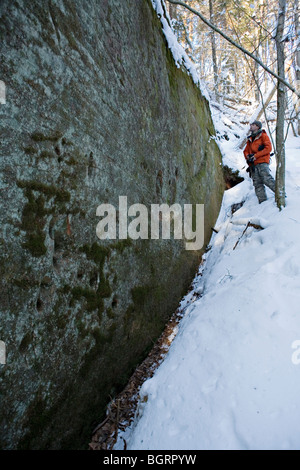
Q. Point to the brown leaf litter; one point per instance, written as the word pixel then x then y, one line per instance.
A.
pixel 121 410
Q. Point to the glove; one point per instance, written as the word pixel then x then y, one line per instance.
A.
pixel 250 158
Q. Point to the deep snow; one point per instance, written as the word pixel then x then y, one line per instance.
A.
pixel 231 378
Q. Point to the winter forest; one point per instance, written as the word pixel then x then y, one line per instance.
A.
pixel 229 73
pixel 269 31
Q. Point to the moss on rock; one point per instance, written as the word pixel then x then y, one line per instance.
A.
pixel 86 311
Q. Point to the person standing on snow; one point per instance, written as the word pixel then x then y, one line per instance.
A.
pixel 257 154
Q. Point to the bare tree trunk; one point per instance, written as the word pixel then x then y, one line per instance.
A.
pixel 297 60
pixel 256 68
pixel 280 150
pixel 214 53
pixel 256 72
pixel 173 11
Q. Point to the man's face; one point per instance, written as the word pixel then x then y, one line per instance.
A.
pixel 253 127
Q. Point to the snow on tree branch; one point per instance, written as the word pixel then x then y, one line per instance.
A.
pixel 245 51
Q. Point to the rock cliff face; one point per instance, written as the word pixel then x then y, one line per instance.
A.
pixel 95 109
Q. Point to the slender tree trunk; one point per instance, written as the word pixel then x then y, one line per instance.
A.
pixel 173 11
pixel 280 150
pixel 256 72
pixel 256 67
pixel 297 60
pixel 214 52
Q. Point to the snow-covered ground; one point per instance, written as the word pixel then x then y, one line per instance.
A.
pixel 231 378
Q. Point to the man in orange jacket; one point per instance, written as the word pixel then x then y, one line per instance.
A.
pixel 257 154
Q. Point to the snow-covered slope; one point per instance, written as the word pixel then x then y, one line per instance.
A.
pixel 231 378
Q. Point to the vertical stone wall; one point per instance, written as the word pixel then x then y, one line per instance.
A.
pixel 95 109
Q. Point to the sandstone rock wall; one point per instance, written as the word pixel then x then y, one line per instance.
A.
pixel 95 109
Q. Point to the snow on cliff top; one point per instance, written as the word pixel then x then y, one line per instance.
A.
pixel 180 56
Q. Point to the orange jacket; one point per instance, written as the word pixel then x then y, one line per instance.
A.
pixel 261 156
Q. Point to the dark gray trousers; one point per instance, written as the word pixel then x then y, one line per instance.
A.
pixel 261 176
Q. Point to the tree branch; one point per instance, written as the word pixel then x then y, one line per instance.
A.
pixel 241 48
